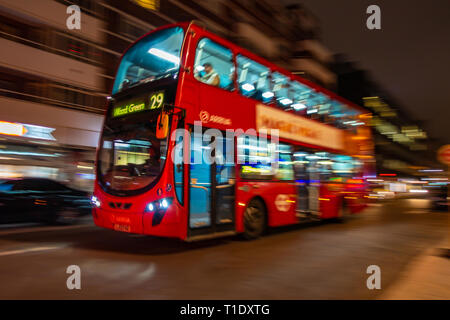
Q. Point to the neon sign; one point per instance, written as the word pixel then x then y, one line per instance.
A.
pixel 12 129
pixel 26 130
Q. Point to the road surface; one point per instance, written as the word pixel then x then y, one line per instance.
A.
pixel 316 261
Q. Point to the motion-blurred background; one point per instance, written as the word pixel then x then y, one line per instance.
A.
pixel 54 81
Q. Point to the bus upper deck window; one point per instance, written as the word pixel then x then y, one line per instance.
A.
pixel 254 79
pixel 214 64
pixel 322 106
pixel 154 57
pixel 299 94
pixel 281 90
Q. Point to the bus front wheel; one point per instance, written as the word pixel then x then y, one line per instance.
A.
pixel 254 219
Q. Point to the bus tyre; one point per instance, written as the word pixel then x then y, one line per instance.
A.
pixel 254 219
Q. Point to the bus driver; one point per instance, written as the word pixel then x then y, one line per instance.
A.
pixel 209 75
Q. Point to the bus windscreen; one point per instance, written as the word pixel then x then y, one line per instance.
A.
pixel 131 157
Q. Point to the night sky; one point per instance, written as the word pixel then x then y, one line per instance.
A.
pixel 409 56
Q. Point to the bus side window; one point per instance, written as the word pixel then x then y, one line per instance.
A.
pixel 281 90
pixel 254 79
pixel 285 164
pixel 214 64
pixel 299 94
pixel 255 156
pixel 320 107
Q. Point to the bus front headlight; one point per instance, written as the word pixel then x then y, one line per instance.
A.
pixel 158 205
pixel 150 207
pixel 95 202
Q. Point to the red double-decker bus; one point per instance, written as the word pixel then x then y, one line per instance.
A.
pixel 202 138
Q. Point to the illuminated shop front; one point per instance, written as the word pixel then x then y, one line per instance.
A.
pixel 42 141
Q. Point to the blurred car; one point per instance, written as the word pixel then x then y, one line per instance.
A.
pixel 382 194
pixel 40 200
pixel 439 198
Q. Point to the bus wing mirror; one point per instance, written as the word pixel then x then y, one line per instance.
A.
pixel 162 126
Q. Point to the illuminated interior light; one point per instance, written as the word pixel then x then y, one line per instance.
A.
pixel 298 106
pixel 268 94
pixel 164 55
pixel 418 191
pixel 285 101
pixel 84 167
pixel 248 87
pixel 311 111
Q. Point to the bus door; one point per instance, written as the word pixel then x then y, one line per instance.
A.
pixel 301 184
pixel 314 186
pixel 211 186
pixel 307 181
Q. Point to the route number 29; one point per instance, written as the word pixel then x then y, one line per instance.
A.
pixel 156 100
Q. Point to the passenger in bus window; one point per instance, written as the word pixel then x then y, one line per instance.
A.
pixel 208 75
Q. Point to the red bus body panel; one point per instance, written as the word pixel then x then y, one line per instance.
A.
pixel 199 99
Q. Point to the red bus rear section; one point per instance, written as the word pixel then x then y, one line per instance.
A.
pixel 203 139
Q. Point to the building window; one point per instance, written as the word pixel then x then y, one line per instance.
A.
pixel 214 64
pixel 130 29
pixel 254 79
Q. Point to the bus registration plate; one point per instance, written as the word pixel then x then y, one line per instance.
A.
pixel 122 227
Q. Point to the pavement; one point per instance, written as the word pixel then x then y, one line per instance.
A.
pixel 426 278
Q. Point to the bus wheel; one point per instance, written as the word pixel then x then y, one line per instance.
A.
pixel 254 219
